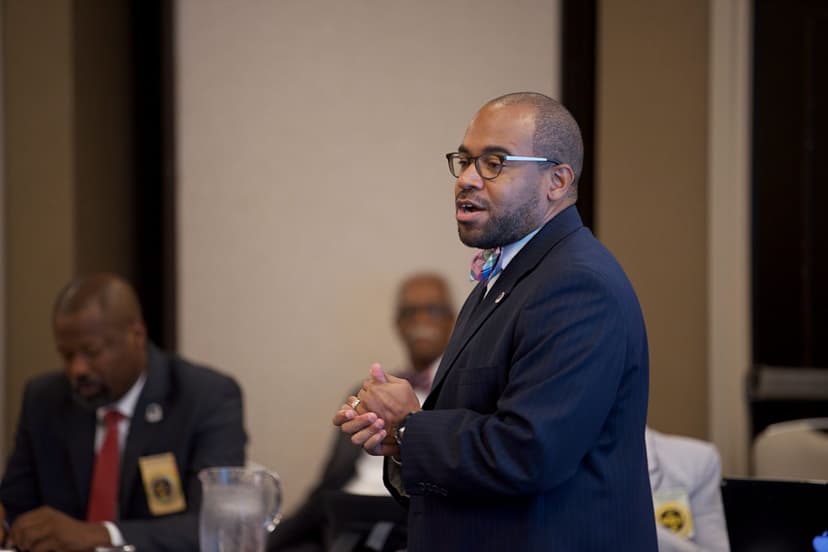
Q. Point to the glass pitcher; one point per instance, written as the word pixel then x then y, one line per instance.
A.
pixel 239 507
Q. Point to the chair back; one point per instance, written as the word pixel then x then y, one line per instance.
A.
pixel 793 450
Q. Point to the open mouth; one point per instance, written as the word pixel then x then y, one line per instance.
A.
pixel 467 210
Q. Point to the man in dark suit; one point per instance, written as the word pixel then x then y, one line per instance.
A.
pixel 109 450
pixel 533 435
pixel 424 318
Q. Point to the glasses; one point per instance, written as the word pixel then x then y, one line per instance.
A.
pixel 432 310
pixel 488 165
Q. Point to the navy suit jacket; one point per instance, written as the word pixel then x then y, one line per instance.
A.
pixel 533 435
pixel 53 457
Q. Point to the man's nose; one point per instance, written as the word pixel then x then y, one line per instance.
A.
pixel 470 178
pixel 422 316
pixel 77 365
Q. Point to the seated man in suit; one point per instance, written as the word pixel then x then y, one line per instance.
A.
pixel 424 319
pixel 685 475
pixel 108 451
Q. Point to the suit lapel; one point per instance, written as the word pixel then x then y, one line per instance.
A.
pixel 455 344
pixel 79 435
pixel 471 319
pixel 144 421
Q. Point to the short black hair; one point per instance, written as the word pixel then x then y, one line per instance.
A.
pixel 557 135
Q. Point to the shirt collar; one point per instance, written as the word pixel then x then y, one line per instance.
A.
pixel 426 376
pixel 432 370
pixel 509 251
pixel 126 404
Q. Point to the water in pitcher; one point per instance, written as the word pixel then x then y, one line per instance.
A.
pixel 233 520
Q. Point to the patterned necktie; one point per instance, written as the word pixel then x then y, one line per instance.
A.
pixel 485 264
pixel 103 494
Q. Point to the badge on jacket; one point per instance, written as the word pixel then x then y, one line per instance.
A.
pixel 162 484
pixel 672 511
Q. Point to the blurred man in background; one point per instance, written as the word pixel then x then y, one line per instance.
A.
pixel 686 478
pixel 424 320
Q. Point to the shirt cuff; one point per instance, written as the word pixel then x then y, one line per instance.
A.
pixel 115 536
pixel 395 477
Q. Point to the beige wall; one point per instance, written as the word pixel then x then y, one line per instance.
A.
pixel 673 201
pixel 39 202
pixel 728 254
pixel 67 179
pixel 298 215
pixel 651 188
pixel 311 179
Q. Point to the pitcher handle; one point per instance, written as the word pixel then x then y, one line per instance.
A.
pixel 274 508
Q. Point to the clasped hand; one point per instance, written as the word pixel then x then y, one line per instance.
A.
pixel 371 416
pixel 46 529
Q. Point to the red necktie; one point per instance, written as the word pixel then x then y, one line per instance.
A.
pixel 103 495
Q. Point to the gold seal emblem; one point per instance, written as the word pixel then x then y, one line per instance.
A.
pixel 162 485
pixel 672 511
pixel 162 488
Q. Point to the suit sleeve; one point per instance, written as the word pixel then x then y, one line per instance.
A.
pixel 19 490
pixel 566 361
pixel 219 440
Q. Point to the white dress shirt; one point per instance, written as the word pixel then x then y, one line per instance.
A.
pixel 507 253
pixel 126 406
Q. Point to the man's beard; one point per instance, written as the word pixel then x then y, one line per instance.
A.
pixel 92 403
pixel 501 230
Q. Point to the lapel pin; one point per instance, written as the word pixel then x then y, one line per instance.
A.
pixel 500 297
pixel 154 413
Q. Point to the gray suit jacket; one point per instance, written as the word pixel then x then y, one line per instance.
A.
pixel 201 424
pixel 693 467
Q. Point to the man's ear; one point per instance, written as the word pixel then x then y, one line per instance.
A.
pixel 559 181
pixel 138 331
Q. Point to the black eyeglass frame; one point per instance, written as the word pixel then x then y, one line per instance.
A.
pixel 433 310
pixel 502 157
